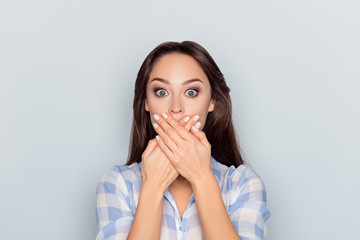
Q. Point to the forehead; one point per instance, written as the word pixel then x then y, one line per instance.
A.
pixel 177 67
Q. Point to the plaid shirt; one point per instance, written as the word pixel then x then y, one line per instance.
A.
pixel 242 190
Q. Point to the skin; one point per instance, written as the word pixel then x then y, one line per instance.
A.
pixel 179 159
pixel 170 73
pixel 177 85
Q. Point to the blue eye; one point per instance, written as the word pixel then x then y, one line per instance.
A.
pixel 160 92
pixel 191 92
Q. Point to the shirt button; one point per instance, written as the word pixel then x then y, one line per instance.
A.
pixel 180 228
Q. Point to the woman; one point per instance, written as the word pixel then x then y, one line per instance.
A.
pixel 185 177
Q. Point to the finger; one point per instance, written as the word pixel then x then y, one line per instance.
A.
pixel 201 136
pixel 149 148
pixel 188 122
pixel 181 130
pixel 165 149
pixel 192 121
pixel 170 131
pixel 184 120
pixel 171 142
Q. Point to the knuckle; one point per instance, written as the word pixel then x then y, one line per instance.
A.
pixel 176 161
pixel 179 153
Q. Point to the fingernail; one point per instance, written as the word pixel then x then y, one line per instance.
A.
pixel 156 117
pixel 164 115
pixel 197 125
pixel 157 137
pixel 196 118
pixel 155 125
pixel 187 119
pixel 195 129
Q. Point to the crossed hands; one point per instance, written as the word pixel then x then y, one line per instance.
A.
pixel 180 148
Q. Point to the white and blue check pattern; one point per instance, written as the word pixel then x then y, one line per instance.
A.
pixel 242 190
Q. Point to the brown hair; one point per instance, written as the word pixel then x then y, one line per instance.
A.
pixel 218 128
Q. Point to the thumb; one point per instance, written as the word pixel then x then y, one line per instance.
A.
pixel 149 148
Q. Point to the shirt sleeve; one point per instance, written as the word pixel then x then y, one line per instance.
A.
pixel 113 209
pixel 247 209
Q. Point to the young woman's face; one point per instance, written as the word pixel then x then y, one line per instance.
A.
pixel 177 85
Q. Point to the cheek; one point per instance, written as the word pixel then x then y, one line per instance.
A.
pixel 156 106
pixel 198 105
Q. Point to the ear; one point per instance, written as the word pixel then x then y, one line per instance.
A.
pixel 147 106
pixel 211 105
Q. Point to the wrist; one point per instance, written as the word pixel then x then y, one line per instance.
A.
pixel 154 187
pixel 203 181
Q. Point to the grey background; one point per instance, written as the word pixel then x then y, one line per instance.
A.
pixel 67 71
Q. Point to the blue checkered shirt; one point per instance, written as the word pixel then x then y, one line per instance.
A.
pixel 242 190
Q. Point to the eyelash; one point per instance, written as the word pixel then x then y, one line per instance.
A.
pixel 190 89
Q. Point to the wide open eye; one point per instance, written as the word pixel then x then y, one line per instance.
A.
pixel 193 92
pixel 160 92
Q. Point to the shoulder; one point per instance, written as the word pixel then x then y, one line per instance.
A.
pixel 130 172
pixel 240 174
pixel 244 196
pixel 241 180
pixel 121 178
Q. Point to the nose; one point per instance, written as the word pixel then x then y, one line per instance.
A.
pixel 176 106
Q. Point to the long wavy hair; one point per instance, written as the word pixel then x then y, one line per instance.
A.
pixel 218 128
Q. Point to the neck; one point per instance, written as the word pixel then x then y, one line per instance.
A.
pixel 180 181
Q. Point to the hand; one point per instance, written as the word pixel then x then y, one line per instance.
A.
pixel 156 168
pixel 189 153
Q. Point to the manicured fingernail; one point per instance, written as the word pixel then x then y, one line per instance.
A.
pixel 156 117
pixel 157 137
pixel 164 115
pixel 197 125
pixel 195 129
pixel 187 119
pixel 155 125
pixel 196 118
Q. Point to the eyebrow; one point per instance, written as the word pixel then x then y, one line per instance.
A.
pixel 184 83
